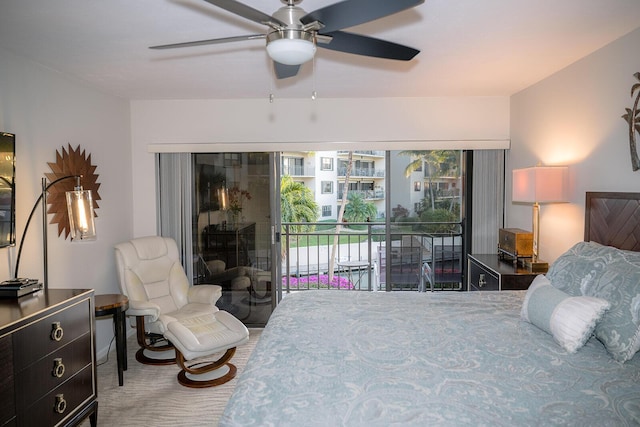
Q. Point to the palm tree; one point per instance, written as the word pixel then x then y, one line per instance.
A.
pixel 358 210
pixel 343 203
pixel 297 204
pixel 438 163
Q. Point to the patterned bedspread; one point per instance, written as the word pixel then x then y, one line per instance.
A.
pixel 421 359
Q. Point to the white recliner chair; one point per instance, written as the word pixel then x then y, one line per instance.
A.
pixel 173 316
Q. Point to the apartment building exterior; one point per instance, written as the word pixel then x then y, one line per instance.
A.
pixel 324 172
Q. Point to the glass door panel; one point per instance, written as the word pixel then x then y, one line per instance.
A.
pixel 233 231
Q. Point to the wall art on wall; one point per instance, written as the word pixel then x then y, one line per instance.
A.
pixel 632 116
pixel 71 162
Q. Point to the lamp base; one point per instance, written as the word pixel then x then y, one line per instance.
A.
pixel 536 266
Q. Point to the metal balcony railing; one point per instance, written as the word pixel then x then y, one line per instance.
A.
pixel 415 259
pixel 361 172
pixel 296 170
pixel 366 194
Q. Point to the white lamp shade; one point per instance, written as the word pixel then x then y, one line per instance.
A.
pixel 80 209
pixel 541 184
pixel 291 51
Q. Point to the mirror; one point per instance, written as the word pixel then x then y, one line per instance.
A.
pixel 7 186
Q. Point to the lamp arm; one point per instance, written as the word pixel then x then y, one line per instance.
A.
pixel 33 210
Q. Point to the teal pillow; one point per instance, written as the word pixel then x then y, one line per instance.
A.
pixel 571 320
pixel 619 329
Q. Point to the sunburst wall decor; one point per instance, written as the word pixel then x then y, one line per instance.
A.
pixel 71 162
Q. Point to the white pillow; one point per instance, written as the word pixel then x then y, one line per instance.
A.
pixel 570 320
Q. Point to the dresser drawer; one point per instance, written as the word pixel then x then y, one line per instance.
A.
pixel 61 403
pixel 482 279
pixel 7 398
pixel 50 333
pixel 39 379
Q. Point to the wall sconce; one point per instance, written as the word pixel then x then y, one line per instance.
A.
pixel 80 210
pixel 540 184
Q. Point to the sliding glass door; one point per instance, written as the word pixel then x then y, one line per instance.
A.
pixel 264 224
pixel 233 231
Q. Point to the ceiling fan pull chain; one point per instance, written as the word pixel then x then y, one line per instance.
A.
pixel 271 96
pixel 314 94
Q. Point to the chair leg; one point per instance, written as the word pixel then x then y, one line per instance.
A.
pixel 145 343
pixel 206 371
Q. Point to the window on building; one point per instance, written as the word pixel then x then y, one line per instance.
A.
pixel 326 163
pixel 327 187
pixel 326 210
pixel 293 166
pixel 417 186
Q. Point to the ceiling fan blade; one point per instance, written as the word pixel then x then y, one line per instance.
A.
pixel 284 71
pixel 247 12
pixel 210 41
pixel 368 46
pixel 350 13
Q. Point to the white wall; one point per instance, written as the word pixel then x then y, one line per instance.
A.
pixel 574 118
pixel 397 122
pixel 46 112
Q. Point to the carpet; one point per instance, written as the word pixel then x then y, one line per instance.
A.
pixel 152 397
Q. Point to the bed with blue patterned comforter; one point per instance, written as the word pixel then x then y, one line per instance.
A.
pixel 329 358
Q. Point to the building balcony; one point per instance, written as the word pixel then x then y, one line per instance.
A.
pixel 362 173
pixel 299 171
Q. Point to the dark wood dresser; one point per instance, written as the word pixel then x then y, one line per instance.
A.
pixel 47 359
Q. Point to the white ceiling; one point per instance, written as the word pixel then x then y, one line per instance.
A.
pixel 468 47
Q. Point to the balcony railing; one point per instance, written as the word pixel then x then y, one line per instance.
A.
pixel 365 194
pixel 298 170
pixel 417 258
pixel 375 153
pixel 359 172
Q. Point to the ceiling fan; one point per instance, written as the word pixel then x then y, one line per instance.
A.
pixel 293 34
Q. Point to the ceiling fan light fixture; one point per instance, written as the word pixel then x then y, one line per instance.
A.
pixel 291 50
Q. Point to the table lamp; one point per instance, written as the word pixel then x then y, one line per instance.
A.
pixel 539 184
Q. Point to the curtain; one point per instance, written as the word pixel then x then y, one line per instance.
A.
pixel 174 180
pixel 487 200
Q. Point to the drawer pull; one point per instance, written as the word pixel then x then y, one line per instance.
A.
pixel 56 331
pixel 58 368
pixel 60 405
pixel 481 281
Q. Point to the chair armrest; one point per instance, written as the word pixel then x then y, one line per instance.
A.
pixel 204 293
pixel 143 308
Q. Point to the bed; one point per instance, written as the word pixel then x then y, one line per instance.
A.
pixel 460 358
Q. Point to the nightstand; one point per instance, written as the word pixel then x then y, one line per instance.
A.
pixel 487 272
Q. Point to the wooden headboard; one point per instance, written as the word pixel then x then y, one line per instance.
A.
pixel 613 219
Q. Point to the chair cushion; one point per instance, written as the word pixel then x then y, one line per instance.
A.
pixel 206 334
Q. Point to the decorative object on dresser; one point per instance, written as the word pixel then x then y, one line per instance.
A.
pixel 170 311
pixel 539 184
pixel 489 272
pixel 47 359
pixel 515 244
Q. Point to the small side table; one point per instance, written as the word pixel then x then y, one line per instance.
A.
pixel 116 305
pixel 487 272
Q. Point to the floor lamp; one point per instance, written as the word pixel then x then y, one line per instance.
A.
pixel 80 210
pixel 540 184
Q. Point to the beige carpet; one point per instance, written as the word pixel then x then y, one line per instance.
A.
pixel 151 395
